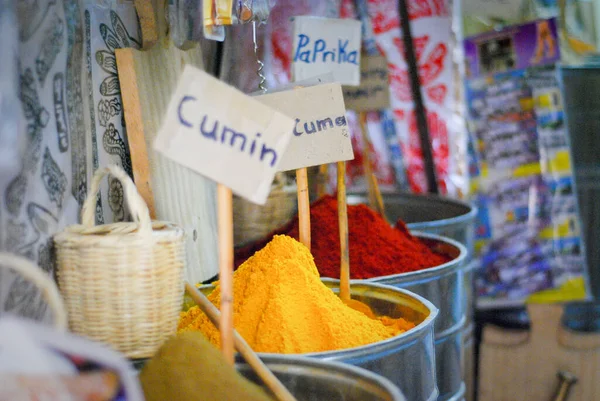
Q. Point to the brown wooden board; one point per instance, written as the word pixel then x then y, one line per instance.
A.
pixel 172 192
pixel 523 365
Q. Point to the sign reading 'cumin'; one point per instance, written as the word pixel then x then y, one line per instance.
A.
pixel 320 133
pixel 223 134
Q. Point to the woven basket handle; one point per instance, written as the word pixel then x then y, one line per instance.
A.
pixel 35 275
pixel 136 204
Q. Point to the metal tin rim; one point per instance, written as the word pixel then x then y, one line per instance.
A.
pixel 434 396
pixel 459 395
pixel 407 336
pixel 451 331
pixel 458 221
pixel 349 370
pixel 431 272
pixel 462 219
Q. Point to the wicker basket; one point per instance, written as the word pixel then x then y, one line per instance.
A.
pixel 252 222
pixel 32 273
pixel 122 282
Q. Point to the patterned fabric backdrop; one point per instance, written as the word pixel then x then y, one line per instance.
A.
pixel 432 33
pixel 72 119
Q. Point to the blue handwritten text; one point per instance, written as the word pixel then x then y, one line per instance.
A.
pixel 218 132
pixel 310 127
pixel 318 51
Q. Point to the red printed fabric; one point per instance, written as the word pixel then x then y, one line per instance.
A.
pixel 380 160
pixel 279 73
pixel 431 30
pixel 281 32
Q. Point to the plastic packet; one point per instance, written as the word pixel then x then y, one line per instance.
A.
pixel 219 13
pixel 37 362
pixel 254 10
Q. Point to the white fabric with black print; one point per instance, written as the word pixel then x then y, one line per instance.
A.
pixel 59 91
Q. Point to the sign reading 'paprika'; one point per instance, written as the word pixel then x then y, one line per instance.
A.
pixel 324 45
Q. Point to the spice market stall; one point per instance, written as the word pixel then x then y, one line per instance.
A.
pixel 213 274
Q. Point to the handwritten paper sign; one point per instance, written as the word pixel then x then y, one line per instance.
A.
pixel 321 133
pixel 374 90
pixel 324 45
pixel 217 131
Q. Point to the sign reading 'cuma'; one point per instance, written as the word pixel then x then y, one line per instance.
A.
pixel 321 133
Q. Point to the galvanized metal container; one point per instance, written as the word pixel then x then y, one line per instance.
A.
pixel 408 359
pixel 310 379
pixel 459 396
pixel 430 214
pixel 442 216
pixel 443 286
pixel 469 361
pixel 434 215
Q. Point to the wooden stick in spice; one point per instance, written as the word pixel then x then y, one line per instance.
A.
pixel 367 167
pixel 378 197
pixel 375 198
pixel 322 181
pixel 303 202
pixel 303 206
pixel 225 228
pixel 242 346
pixel 345 245
pixel 343 224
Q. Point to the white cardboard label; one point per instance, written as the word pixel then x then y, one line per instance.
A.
pixel 323 45
pixel 223 134
pixel 321 134
pixel 373 93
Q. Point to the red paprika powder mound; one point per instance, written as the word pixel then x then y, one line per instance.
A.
pixel 376 248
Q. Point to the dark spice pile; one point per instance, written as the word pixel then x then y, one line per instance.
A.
pixel 376 248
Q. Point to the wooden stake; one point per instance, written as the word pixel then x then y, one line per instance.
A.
pixel 375 198
pixel 378 197
pixel 322 182
pixel 367 167
pixel 136 137
pixel 147 18
pixel 303 206
pixel 242 346
pixel 343 224
pixel 225 227
pixel 172 192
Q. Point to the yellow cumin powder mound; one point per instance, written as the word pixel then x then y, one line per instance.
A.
pixel 281 306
